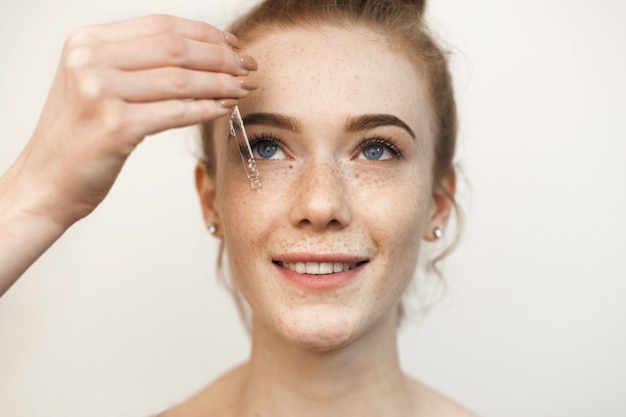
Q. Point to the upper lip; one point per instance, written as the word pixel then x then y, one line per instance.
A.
pixel 319 258
pixel 319 264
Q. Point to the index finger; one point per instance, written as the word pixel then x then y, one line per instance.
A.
pixel 158 24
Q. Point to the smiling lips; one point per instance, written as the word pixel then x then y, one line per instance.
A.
pixel 325 275
pixel 318 268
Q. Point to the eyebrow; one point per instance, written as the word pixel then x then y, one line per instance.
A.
pixel 353 124
pixel 370 121
pixel 273 120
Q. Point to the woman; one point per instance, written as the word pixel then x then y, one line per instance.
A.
pixel 352 123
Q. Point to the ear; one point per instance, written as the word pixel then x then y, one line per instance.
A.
pixel 442 204
pixel 205 186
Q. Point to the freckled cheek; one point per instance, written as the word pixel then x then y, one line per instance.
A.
pixel 395 224
pixel 394 209
pixel 398 196
pixel 249 215
pixel 248 226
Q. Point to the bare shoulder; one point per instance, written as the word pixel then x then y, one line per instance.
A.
pixel 218 398
pixel 432 403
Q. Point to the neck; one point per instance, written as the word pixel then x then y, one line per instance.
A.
pixel 285 379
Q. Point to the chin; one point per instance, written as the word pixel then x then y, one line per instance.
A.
pixel 320 330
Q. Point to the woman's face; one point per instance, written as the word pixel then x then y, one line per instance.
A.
pixel 342 134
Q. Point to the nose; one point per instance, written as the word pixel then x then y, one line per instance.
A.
pixel 320 200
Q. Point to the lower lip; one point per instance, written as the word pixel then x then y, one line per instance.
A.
pixel 320 282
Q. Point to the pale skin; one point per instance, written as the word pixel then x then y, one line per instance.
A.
pixel 326 353
pixel 106 97
pixel 314 352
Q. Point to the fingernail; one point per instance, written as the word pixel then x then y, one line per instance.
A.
pixel 232 40
pixel 229 103
pixel 246 83
pixel 248 63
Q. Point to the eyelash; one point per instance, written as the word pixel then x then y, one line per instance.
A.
pixel 265 137
pixel 376 140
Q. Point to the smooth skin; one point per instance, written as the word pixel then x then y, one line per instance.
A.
pixel 115 84
pixel 328 352
pixel 315 353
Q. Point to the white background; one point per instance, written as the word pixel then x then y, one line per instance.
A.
pixel 124 316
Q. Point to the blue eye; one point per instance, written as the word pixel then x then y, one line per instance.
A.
pixel 378 149
pixel 266 147
pixel 373 152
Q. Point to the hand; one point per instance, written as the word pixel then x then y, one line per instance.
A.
pixel 115 84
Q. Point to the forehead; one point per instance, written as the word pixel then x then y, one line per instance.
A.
pixel 323 72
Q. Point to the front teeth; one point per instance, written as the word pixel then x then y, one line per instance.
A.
pixel 318 268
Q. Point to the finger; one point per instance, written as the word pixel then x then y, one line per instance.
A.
pixel 151 118
pixel 157 24
pixel 176 83
pixel 172 50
